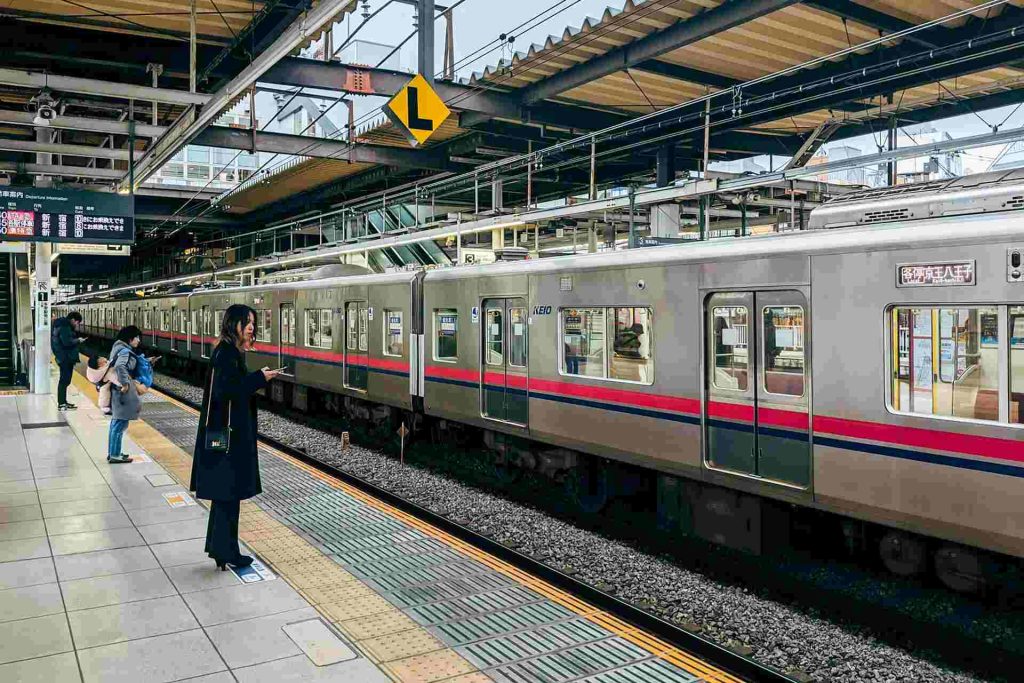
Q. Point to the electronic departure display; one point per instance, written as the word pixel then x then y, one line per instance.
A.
pixel 34 214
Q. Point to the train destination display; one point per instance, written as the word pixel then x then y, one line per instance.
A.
pixel 31 214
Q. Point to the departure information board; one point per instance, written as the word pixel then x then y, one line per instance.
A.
pixel 33 214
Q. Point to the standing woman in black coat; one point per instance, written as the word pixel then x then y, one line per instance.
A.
pixel 227 478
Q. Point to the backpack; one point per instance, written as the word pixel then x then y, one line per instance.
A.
pixel 143 371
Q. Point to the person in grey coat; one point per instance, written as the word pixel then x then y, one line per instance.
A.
pixel 125 404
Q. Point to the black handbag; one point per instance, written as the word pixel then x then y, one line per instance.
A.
pixel 217 440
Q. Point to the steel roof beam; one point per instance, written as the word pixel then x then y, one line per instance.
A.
pixel 476 104
pixel 86 151
pixel 722 18
pixel 686 73
pixel 54 170
pixel 322 148
pixel 846 9
pixel 104 126
pixel 90 86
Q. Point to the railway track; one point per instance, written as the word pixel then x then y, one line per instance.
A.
pixel 733 662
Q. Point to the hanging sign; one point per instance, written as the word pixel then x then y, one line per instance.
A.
pixel 945 274
pixel 36 214
pixel 417 110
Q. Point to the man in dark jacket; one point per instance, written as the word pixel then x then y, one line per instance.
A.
pixel 64 345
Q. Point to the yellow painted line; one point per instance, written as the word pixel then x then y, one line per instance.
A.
pixel 642 639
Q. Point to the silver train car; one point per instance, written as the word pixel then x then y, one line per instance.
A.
pixel 871 367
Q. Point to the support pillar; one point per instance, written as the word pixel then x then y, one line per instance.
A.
pixel 425 39
pixel 42 287
pixel 497 194
pixel 592 237
pixel 192 47
pixel 666 164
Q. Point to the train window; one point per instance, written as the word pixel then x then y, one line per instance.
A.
pixel 183 322
pixel 264 321
pixel 494 336
pixel 517 337
pixel 731 335
pixel 446 331
pixel 583 342
pixel 783 345
pixel 392 332
pixel 631 358
pixel 147 320
pixel 318 328
pixel 1016 320
pixel 946 361
pixel 165 321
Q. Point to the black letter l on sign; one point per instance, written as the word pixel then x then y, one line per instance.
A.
pixel 414 112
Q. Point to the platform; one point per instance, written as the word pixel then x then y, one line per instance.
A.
pixel 103 577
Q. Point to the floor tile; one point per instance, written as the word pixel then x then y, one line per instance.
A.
pixel 24 549
pixel 31 638
pixel 20 514
pixel 13 531
pixel 76 524
pixel 104 562
pixel 89 541
pixel 27 572
pixel 129 621
pixel 18 486
pixel 301 669
pixel 264 639
pixel 174 531
pixel 13 500
pixel 117 588
pixel 83 493
pixel 319 642
pixel 152 660
pixel 153 498
pixel 180 552
pixel 10 472
pixel 30 601
pixel 159 480
pixel 81 507
pixel 156 515
pixel 199 576
pixel 244 601
pixel 62 668
pixel 77 481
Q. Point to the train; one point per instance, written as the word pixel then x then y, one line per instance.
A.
pixel 869 368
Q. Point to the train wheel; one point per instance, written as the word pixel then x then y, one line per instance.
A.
pixel 903 554
pixel 960 569
pixel 589 485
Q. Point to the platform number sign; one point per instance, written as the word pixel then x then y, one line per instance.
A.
pixel 417 110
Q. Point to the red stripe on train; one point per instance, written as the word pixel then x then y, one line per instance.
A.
pixel 967 444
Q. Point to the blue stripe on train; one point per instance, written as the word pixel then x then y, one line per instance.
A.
pixel 917 456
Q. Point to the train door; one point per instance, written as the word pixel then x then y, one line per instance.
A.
pixel 356 344
pixel 756 412
pixel 503 388
pixel 286 334
pixel 205 331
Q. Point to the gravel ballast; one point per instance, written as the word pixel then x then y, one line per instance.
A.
pixel 776 634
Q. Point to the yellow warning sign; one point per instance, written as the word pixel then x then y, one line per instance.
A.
pixel 417 109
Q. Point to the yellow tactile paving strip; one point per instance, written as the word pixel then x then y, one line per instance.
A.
pixel 367 618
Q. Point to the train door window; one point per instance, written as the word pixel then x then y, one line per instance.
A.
pixel 446 331
pixel 164 321
pixel 147 320
pixel 393 344
pixel 583 342
pixel 517 337
pixel 494 339
pixel 783 350
pixel 732 366
pixel 946 361
pixel 1016 320
pixel 631 358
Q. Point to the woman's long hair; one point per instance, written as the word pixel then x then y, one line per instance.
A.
pixel 237 314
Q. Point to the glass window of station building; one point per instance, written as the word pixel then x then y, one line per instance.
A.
pixel 218 169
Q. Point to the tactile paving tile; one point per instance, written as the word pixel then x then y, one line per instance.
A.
pixel 507 630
